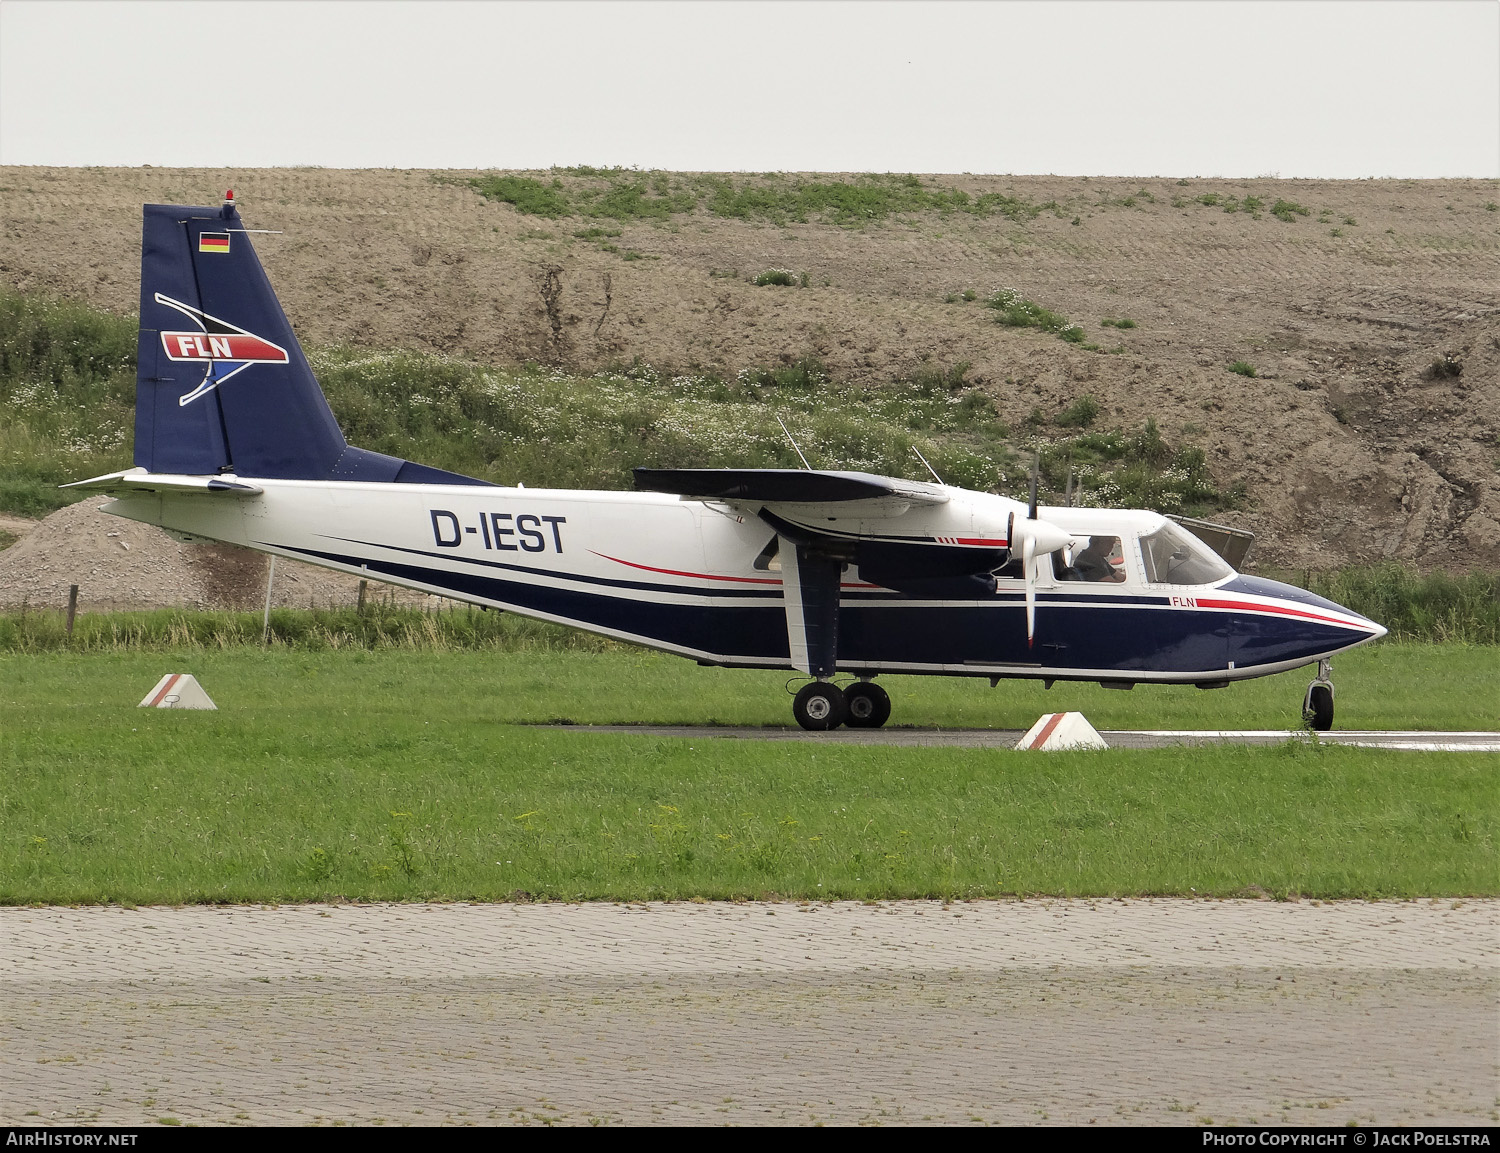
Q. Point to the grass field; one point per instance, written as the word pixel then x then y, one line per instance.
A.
pixel 410 774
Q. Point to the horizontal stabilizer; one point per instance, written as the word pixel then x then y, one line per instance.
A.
pixel 784 485
pixel 139 480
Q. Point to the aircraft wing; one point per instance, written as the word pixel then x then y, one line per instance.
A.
pixel 139 480
pixel 826 521
pixel 785 485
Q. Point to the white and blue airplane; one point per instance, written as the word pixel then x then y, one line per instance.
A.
pixel 830 574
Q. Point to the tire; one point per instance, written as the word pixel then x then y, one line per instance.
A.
pixel 1317 710
pixel 819 707
pixel 869 705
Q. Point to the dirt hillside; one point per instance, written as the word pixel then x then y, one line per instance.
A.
pixel 1348 445
pixel 123 564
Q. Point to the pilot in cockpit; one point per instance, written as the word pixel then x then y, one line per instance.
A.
pixel 1095 564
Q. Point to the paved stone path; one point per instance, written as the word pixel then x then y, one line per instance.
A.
pixel 1063 1011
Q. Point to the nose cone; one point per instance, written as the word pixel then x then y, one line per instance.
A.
pixel 1048 537
pixel 1275 622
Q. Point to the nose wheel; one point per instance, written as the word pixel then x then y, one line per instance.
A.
pixel 1317 705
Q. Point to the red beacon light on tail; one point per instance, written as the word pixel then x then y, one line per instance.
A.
pixel 228 206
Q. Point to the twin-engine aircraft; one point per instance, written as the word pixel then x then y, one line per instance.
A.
pixel 830 574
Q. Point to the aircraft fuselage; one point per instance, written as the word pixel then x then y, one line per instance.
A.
pixel 693 577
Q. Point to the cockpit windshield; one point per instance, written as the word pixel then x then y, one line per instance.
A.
pixel 1174 556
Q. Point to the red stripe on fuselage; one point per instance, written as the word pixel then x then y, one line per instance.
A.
pixel 695 575
pixel 1280 610
pixel 703 576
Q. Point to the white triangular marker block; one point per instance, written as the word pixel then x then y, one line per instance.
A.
pixel 1054 731
pixel 178 691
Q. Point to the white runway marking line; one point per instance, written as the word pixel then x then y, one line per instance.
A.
pixel 1408 740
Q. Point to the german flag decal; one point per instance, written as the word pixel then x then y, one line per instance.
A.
pixel 213 242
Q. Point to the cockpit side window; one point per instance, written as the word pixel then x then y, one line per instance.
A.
pixel 1100 561
pixel 1173 556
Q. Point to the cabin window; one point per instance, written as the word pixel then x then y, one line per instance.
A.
pixel 1100 560
pixel 1174 556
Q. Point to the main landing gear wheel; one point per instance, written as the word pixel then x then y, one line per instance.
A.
pixel 820 706
pixel 869 706
pixel 1317 706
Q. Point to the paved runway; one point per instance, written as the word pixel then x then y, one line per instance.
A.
pixel 1156 1011
pixel 1417 741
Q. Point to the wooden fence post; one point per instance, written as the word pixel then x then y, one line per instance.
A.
pixel 72 606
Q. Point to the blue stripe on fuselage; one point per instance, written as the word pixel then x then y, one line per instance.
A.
pixel 1133 637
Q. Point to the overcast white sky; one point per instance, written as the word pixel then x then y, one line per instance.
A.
pixel 1188 88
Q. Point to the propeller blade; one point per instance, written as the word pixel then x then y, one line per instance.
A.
pixel 1028 555
pixel 1036 468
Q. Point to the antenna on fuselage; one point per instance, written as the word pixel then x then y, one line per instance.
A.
pixel 923 459
pixel 795 449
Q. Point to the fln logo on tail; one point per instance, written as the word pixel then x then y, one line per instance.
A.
pixel 226 348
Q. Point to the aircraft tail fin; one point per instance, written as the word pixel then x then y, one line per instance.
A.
pixel 221 383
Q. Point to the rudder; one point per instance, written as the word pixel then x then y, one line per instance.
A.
pixel 222 384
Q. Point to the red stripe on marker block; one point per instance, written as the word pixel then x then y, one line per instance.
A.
pixel 1052 722
pixel 165 689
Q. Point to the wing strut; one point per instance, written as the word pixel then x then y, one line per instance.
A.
pixel 810 584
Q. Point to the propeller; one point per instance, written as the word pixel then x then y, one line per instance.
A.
pixel 1028 556
pixel 1038 538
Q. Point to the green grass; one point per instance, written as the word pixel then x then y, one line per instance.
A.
pixel 404 775
pixel 1242 368
pixel 528 196
pixel 67 395
pixel 378 627
pixel 776 276
pixel 1115 469
pixel 1015 311
pixel 628 194
pixel 1080 414
pixel 1289 210
pixel 1431 607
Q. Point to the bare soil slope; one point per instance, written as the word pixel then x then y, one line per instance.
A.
pixel 123 564
pixel 1347 446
